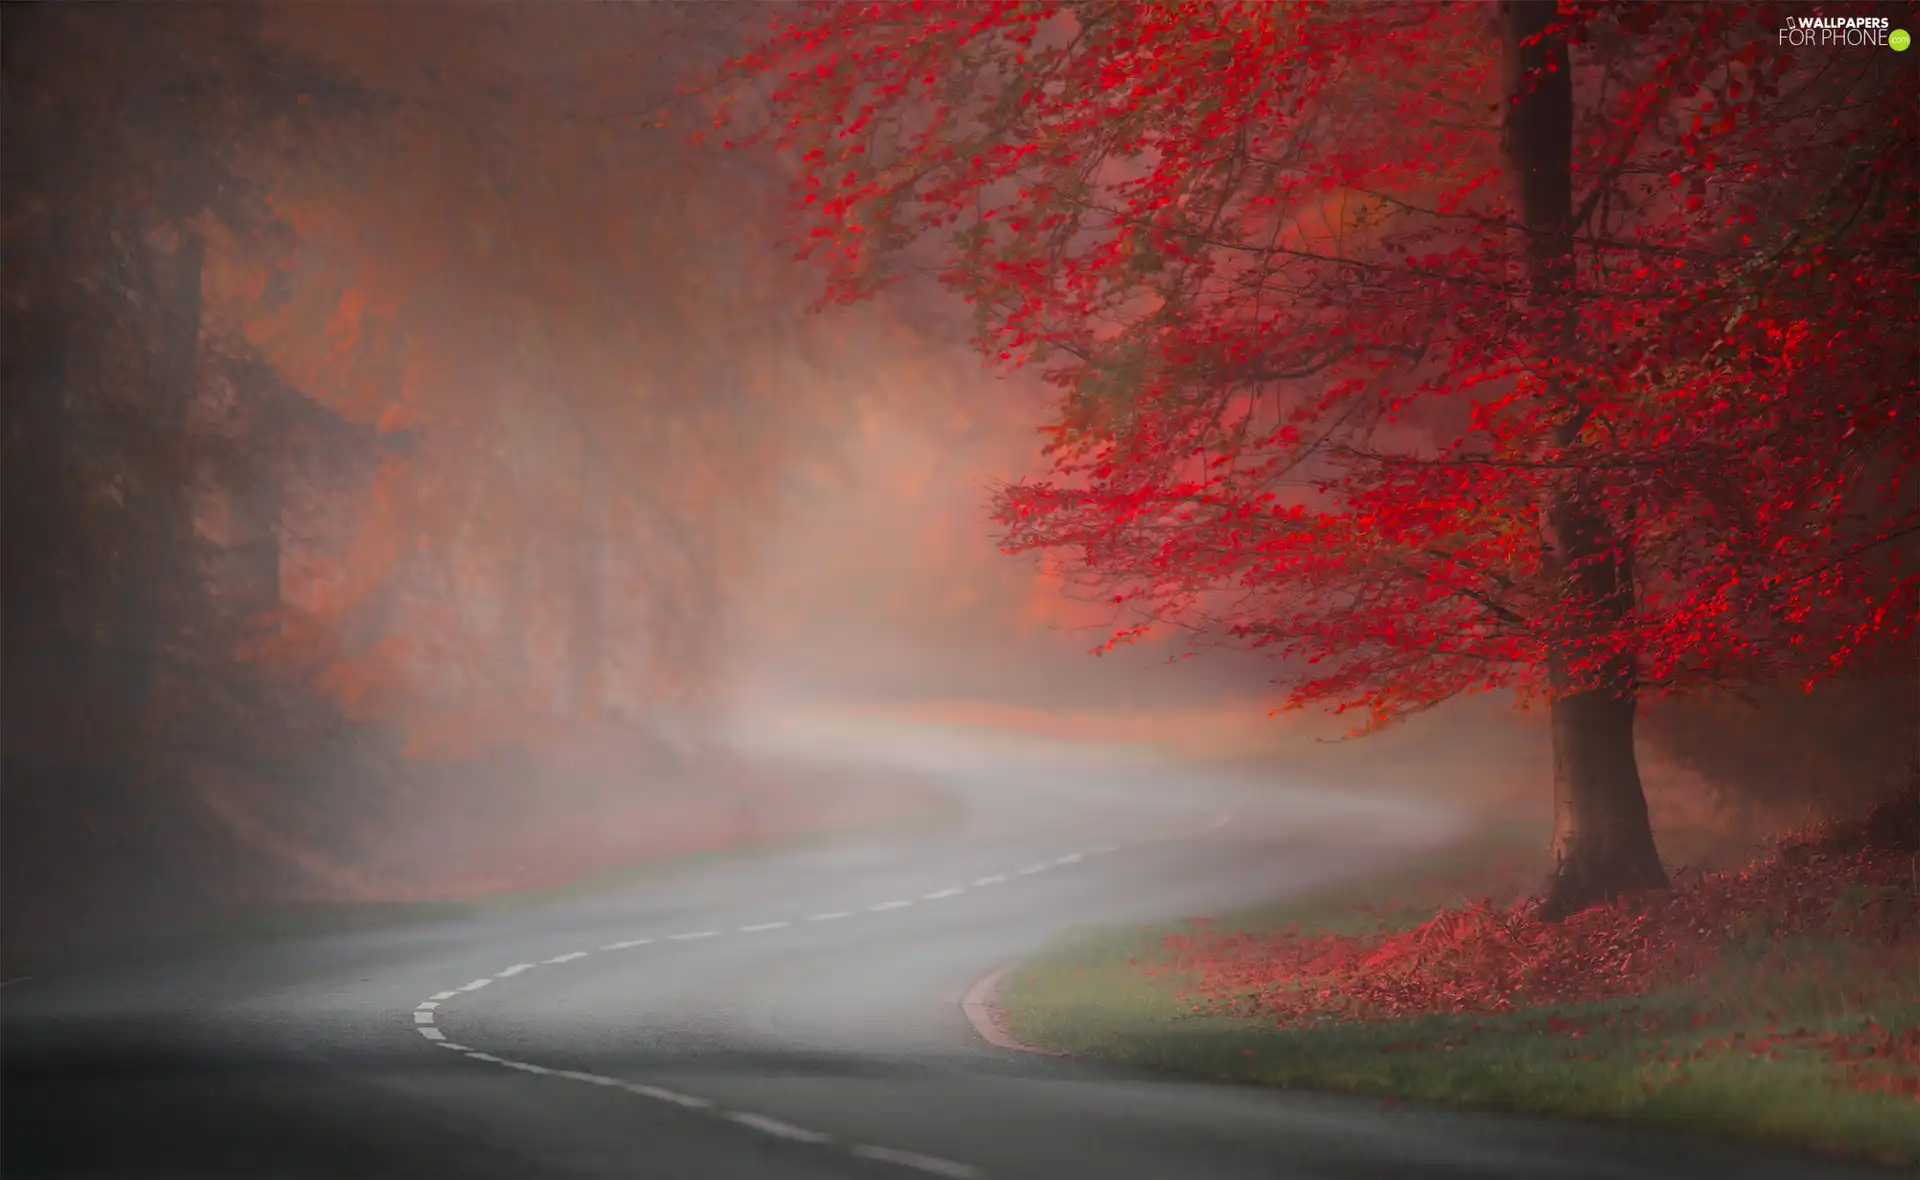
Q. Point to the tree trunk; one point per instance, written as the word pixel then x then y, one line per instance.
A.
pixel 159 540
pixel 257 510
pixel 259 491
pixel 587 638
pixel 1602 841
pixel 510 635
pixel 52 544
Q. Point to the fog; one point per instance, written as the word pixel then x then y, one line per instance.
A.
pixel 498 485
pixel 426 480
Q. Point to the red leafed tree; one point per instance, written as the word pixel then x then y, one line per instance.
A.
pixel 1435 348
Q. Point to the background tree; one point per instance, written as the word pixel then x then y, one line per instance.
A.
pixel 1434 349
pixel 121 165
pixel 390 408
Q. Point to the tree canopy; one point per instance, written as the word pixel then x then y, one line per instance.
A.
pixel 1580 362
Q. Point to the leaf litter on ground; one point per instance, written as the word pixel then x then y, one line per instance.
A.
pixel 1838 899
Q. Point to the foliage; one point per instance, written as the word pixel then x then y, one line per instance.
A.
pixel 1307 400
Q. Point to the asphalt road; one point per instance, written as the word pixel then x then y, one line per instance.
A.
pixel 796 1015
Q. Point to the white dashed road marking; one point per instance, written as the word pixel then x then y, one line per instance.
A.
pixel 424 1021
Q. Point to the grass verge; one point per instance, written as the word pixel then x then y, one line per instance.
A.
pixel 1808 1037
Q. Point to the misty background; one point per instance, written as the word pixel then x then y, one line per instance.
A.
pixel 423 477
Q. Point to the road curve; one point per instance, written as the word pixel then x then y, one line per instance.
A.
pixel 796 1015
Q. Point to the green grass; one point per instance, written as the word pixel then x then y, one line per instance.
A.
pixel 1091 995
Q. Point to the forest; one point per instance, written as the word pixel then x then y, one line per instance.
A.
pixel 855 588
pixel 344 471
pixel 401 401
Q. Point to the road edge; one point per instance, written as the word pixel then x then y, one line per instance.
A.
pixel 982 1012
pixel 253 928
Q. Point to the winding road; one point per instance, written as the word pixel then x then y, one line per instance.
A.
pixel 792 1015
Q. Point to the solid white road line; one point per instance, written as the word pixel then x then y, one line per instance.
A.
pixel 761 1122
pixel 661 1094
pixel 931 1164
